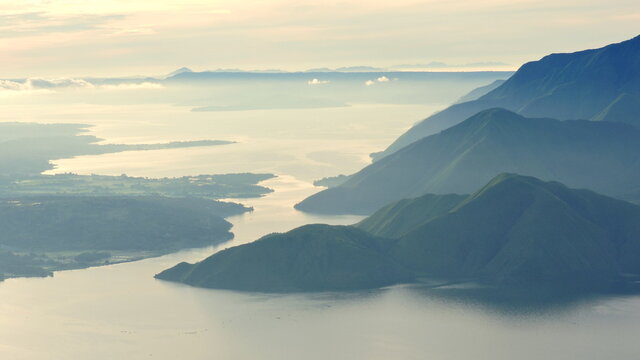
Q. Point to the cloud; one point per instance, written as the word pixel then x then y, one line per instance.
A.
pixel 43 84
pixel 381 79
pixel 48 85
pixel 11 85
pixel 37 83
pixel 317 82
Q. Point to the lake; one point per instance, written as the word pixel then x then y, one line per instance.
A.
pixel 122 312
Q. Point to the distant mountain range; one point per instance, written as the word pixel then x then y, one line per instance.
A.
pixel 179 71
pixel 334 75
pixel 516 231
pixel 602 156
pixel 599 84
pixel 431 66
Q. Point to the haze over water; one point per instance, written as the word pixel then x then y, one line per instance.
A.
pixel 121 311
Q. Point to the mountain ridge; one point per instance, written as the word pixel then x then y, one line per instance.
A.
pixel 460 159
pixel 515 232
pixel 564 86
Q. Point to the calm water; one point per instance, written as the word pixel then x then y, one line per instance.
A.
pixel 121 312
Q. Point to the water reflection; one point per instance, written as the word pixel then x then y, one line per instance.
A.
pixel 511 302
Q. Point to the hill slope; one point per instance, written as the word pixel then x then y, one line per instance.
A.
pixel 578 85
pixel 520 230
pixel 480 91
pixel 515 232
pixel 309 258
pixel 602 156
pixel 401 217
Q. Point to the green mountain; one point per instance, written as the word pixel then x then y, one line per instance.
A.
pixel 309 258
pixel 401 217
pixel 601 156
pixel 515 232
pixel 580 85
pixel 519 230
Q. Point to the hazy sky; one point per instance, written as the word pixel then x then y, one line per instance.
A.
pixel 127 37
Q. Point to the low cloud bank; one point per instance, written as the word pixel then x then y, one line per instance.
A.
pixel 44 85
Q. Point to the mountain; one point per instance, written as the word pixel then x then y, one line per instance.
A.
pixel 401 217
pixel 619 109
pixel 477 77
pixel 520 230
pixel 309 258
pixel 481 91
pixel 601 156
pixel 515 232
pixel 580 85
pixel 179 71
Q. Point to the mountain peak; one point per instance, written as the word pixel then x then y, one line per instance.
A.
pixel 521 230
pixel 496 113
pixel 494 119
pixel 506 177
pixel 508 185
pixel 179 71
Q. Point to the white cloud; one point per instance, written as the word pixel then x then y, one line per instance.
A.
pixel 48 85
pixel 317 82
pixel 43 84
pixel 12 85
pixel 381 79
pixel 37 83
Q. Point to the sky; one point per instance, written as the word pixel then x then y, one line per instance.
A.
pixel 58 38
